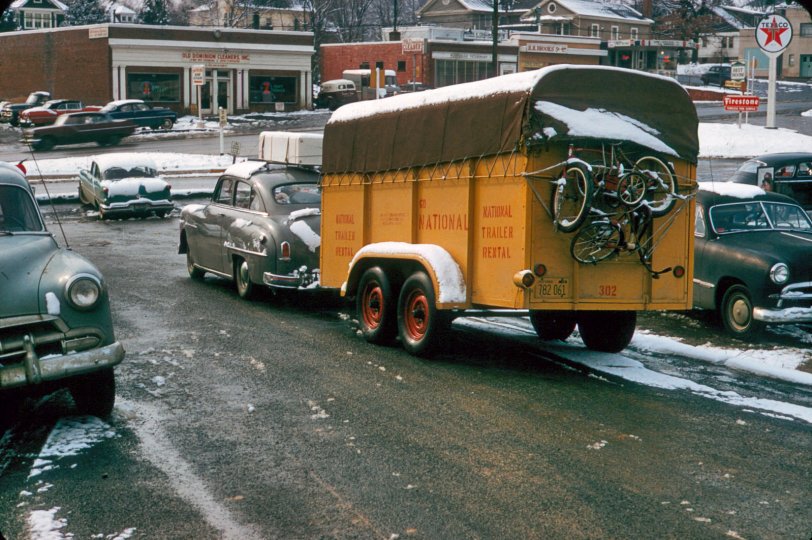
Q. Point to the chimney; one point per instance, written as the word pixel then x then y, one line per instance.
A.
pixel 647 9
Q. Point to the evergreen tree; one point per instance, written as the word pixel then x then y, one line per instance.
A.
pixel 8 21
pixel 155 12
pixel 85 12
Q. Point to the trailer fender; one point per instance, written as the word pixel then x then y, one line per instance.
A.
pixel 444 272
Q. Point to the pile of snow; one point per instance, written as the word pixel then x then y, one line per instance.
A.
pixel 730 141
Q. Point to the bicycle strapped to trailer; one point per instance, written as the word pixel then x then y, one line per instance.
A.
pixel 630 231
pixel 612 180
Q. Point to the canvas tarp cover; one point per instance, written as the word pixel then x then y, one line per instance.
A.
pixel 492 116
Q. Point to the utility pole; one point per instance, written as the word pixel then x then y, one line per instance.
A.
pixel 495 34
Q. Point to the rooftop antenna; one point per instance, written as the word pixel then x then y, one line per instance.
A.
pixel 48 194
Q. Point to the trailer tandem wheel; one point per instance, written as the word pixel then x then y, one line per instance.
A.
pixel 375 305
pixel 550 325
pixel 419 322
pixel 607 331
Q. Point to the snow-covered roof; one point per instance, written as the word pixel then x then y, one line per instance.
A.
pixel 732 189
pixel 17 4
pixel 591 8
pixel 125 160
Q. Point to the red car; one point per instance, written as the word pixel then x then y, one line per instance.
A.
pixel 48 113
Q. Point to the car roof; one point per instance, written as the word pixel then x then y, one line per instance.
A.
pixel 713 193
pixel 782 157
pixel 9 174
pixel 125 160
pixel 120 102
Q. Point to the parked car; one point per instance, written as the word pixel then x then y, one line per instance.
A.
pixel 48 113
pixel 789 172
pixel 716 75
pixel 10 113
pixel 123 185
pixel 261 228
pixel 753 257
pixel 142 114
pixel 77 128
pixel 55 315
pixel 333 94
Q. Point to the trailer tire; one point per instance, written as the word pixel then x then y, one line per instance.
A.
pixel 551 325
pixel 607 331
pixel 419 323
pixel 375 305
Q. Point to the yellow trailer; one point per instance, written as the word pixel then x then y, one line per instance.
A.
pixel 566 191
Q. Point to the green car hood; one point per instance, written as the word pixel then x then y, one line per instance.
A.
pixel 23 259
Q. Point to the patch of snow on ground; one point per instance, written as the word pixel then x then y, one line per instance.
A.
pixel 69 437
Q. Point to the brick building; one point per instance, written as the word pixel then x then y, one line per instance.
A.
pixel 245 70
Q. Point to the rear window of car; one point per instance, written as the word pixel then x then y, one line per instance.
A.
pixel 18 212
pixel 297 194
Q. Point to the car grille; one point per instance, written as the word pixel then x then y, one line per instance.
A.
pixel 44 336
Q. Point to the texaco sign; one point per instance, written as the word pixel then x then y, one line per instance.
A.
pixel 773 33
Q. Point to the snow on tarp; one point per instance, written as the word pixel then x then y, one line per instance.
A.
pixel 495 115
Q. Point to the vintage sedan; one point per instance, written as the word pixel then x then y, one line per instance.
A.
pixel 753 257
pixel 78 128
pixel 124 185
pixel 261 227
pixel 51 110
pixel 55 325
pixel 789 173
pixel 135 110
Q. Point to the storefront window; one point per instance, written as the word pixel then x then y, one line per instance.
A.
pixel 164 87
pixel 269 89
pixel 455 71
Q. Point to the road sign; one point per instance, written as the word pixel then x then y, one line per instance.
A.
pixel 773 33
pixel 738 71
pixel 198 75
pixel 741 103
pixel 222 117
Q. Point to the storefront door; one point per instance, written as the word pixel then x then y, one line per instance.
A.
pixel 806 65
pixel 216 92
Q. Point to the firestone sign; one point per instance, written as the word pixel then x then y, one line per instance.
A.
pixel 773 33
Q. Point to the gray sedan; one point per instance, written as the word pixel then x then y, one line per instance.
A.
pixel 261 228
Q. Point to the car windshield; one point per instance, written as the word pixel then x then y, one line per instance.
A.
pixel 18 211
pixel 297 194
pixel 138 171
pixel 758 216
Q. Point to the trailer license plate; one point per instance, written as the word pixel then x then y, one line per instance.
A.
pixel 552 287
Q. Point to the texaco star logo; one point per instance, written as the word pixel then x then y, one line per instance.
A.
pixel 773 33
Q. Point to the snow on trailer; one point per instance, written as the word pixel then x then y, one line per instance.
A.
pixel 566 191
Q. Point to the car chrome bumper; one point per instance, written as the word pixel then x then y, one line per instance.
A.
pixel 139 207
pixel 303 280
pixel 34 370
pixel 794 293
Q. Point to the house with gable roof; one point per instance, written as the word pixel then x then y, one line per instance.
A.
pixel 625 33
pixel 472 14
pixel 33 14
pixel 246 14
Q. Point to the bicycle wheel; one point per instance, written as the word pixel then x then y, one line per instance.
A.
pixel 661 185
pixel 572 197
pixel 631 189
pixel 597 241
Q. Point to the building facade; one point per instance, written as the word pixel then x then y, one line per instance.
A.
pixel 33 14
pixel 795 62
pixel 245 70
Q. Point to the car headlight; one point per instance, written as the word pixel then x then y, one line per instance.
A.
pixel 83 291
pixel 779 273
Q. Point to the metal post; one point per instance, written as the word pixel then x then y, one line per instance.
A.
pixel 771 91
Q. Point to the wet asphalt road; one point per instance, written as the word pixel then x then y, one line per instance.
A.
pixel 274 419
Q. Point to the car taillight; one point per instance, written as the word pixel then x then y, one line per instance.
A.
pixel 106 191
pixel 284 249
